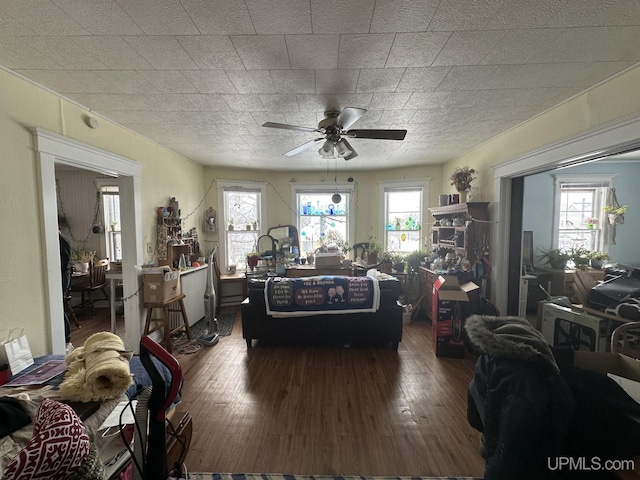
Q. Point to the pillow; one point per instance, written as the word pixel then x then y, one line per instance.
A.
pixel 59 445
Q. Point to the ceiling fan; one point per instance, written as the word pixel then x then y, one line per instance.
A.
pixel 334 127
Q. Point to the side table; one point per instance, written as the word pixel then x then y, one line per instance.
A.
pixel 165 321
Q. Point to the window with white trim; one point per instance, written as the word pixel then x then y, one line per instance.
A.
pixel 322 220
pixel 112 226
pixel 403 208
pixel 243 211
pixel 579 215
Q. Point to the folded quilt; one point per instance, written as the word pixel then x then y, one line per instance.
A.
pixel 295 297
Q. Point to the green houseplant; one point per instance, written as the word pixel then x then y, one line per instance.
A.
pixel 398 259
pixel 81 257
pixel 597 258
pixel 554 258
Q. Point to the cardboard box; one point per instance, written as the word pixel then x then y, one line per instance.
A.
pixel 563 326
pixel 328 260
pixel 448 314
pixel 160 284
pixel 623 369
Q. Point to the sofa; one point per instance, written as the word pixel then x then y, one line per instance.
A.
pixel 384 326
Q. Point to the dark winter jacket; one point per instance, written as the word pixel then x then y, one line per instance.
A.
pixel 517 398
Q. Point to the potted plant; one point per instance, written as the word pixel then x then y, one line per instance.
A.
pixel 461 178
pixel 398 259
pixel 591 222
pixel 231 227
pixel 614 212
pixel 555 258
pixel 373 251
pixel 415 258
pixel 597 258
pixel 80 258
pixel 579 256
pixel 387 263
pixel 252 259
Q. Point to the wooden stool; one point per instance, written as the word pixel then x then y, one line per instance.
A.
pixel 165 321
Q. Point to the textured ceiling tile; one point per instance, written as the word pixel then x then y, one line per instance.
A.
pixel 127 81
pixel 593 44
pixel 160 17
pixel 416 49
pixel 364 50
pixel 426 100
pixel 210 81
pixel 463 15
pixel 389 101
pixel 168 81
pixel 280 102
pixel 163 52
pixel 42 17
pixel 313 51
pixel 207 102
pixel 76 81
pixel 296 81
pixel 10 26
pixel 100 18
pixel 262 52
pixel 468 48
pixel 244 103
pixel 101 102
pixel 16 53
pixel 465 78
pixel 336 81
pixel 280 16
pixel 375 80
pixel 422 79
pixel 341 16
pixel 578 13
pixel 212 51
pixel 112 51
pixel 322 103
pixel 524 14
pixel 585 75
pixel 402 15
pixel 252 81
pixel 66 52
pixel 519 46
pixel 219 17
pixel 304 119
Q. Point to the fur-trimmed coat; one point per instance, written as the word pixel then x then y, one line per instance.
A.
pixel 517 398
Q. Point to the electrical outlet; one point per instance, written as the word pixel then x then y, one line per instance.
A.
pixel 149 247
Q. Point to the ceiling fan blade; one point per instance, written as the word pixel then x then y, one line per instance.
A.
pixel 284 126
pixel 353 154
pixel 349 116
pixel 302 147
pixel 377 134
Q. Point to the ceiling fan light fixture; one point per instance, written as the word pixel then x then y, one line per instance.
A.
pixel 343 148
pixel 327 150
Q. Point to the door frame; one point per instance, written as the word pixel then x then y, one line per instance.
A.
pixel 52 148
pixel 614 138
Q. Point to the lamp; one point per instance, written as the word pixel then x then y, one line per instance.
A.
pixel 327 149
pixel 343 148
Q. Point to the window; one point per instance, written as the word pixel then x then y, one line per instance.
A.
pixel 579 217
pixel 403 216
pixel 320 219
pixel 242 214
pixel 112 225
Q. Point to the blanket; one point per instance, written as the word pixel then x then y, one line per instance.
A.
pixel 295 297
pixel 99 370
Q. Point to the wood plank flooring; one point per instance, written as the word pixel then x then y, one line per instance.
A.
pixel 335 410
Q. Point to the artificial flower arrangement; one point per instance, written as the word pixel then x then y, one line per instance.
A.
pixel 591 222
pixel 462 177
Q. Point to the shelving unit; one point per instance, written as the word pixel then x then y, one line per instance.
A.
pixel 470 241
pixel 169 230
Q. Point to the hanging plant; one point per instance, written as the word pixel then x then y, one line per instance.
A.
pixel 615 213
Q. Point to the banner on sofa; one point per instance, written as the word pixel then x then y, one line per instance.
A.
pixel 295 297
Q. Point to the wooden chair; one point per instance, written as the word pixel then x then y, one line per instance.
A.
pixel 68 309
pixel 625 339
pixel 96 280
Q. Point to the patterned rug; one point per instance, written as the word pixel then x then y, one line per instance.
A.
pixel 267 476
pixel 225 325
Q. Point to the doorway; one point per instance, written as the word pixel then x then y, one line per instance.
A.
pixel 609 141
pixel 55 149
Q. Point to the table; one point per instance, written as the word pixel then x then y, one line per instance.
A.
pixel 113 277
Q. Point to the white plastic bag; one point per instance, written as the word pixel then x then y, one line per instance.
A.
pixel 16 352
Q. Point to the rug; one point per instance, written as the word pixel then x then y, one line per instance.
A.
pixel 225 325
pixel 268 476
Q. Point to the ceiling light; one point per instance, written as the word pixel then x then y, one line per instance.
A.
pixel 343 148
pixel 327 149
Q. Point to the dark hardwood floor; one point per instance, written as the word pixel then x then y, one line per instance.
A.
pixel 304 409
